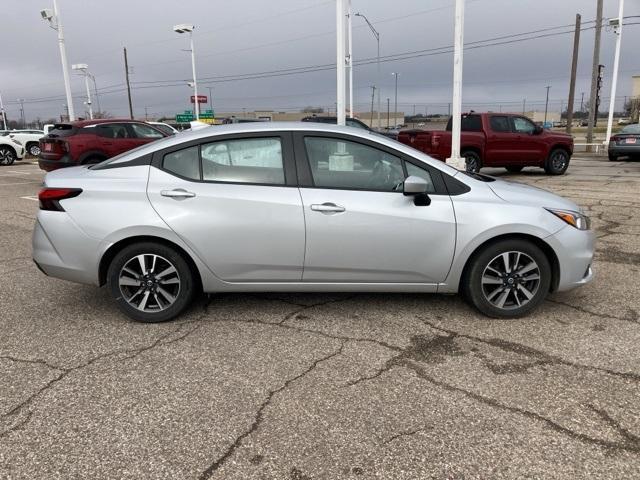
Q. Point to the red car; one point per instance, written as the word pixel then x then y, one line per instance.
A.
pixel 497 140
pixel 92 141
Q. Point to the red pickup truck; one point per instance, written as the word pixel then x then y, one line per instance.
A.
pixel 497 140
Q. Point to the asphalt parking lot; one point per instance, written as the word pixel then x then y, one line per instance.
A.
pixel 325 386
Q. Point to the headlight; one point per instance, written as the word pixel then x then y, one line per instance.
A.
pixel 575 219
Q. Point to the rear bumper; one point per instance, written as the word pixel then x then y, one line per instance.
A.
pixel 62 250
pixel 50 164
pixel 623 150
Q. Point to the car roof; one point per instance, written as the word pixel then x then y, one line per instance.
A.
pixel 85 123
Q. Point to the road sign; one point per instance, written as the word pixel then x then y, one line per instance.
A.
pixel 201 99
pixel 185 117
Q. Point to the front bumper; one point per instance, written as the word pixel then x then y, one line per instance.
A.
pixel 574 249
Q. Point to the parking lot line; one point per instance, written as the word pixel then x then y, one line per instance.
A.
pixel 30 197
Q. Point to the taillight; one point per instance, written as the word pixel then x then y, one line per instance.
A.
pixel 50 197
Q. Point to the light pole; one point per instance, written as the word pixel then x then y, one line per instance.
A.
pixel 4 115
pixel 186 28
pixel 395 103
pixel 95 91
pixel 456 123
pixel 21 102
pixel 616 23
pixel 377 35
pixel 350 57
pixel 84 68
pixel 340 62
pixel 53 17
pixel 211 100
pixel 546 104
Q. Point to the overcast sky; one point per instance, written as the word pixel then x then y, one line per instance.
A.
pixel 251 36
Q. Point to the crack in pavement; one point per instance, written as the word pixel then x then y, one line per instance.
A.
pixel 404 434
pixel 630 439
pixel 36 361
pixel 289 316
pixel 259 416
pixel 632 317
pixel 64 372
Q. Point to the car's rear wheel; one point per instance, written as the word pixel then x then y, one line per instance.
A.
pixel 613 157
pixel 150 282
pixel 508 279
pixel 473 162
pixel 33 149
pixel 558 162
pixel 513 169
pixel 7 155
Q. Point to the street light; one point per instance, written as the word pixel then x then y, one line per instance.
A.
pixel 187 28
pixel 377 35
pixel 616 23
pixel 395 105
pixel 21 102
pixel 53 17
pixel 84 68
pixel 546 104
pixel 4 115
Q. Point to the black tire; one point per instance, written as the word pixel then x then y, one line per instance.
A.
pixel 514 169
pixel 613 158
pixel 558 162
pixel 7 155
pixel 33 149
pixel 479 281
pixel 473 162
pixel 125 294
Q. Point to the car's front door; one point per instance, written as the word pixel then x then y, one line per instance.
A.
pixel 360 227
pixel 235 202
pixel 528 146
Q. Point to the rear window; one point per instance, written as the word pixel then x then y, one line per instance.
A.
pixel 634 128
pixel 62 130
pixel 470 123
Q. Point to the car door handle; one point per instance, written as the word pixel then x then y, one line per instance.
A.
pixel 327 207
pixel 177 193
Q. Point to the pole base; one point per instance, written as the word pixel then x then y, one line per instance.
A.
pixel 456 162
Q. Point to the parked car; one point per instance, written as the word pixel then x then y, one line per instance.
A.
pixel 29 138
pixel 303 207
pixel 498 140
pixel 350 122
pixel 625 143
pixel 10 150
pixel 92 141
pixel 164 127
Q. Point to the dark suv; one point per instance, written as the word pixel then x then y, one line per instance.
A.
pixel 92 141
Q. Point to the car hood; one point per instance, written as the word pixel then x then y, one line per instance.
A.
pixel 521 194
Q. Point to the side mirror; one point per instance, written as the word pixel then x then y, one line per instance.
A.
pixel 417 187
pixel 538 130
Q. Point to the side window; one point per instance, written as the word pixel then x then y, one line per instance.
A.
pixel 523 125
pixel 353 123
pixel 144 131
pixel 112 130
pixel 250 160
pixel 337 163
pixel 471 123
pixel 500 123
pixel 185 163
pixel 413 170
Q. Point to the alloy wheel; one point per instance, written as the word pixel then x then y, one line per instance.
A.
pixel 510 280
pixel 558 161
pixel 34 150
pixel 6 156
pixel 472 164
pixel 149 283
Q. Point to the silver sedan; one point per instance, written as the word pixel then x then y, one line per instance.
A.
pixel 303 207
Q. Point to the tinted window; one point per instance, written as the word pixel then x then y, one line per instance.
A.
pixel 356 124
pixel 185 163
pixel 634 128
pixel 62 130
pixel 112 130
pixel 343 164
pixel 144 131
pixel 251 160
pixel 165 128
pixel 500 124
pixel 523 125
pixel 413 170
pixel 469 123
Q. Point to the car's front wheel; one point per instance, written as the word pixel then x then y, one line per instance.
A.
pixel 150 282
pixel 7 155
pixel 558 162
pixel 508 279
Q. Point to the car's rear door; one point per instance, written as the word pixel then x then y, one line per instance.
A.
pixel 114 138
pixel 360 227
pixel 234 200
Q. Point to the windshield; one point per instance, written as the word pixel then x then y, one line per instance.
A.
pixel 62 130
pixel 634 128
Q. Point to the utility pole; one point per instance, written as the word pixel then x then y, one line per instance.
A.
pixel 340 62
pixel 126 71
pixel 146 113
pixel 2 112
pixel 373 96
pixel 582 103
pixel 95 91
pixel 594 74
pixel 21 101
pixel 546 104
pixel 395 105
pixel 574 69
pixel 617 29
pixel 524 105
pixel 388 112
pixel 456 125
pixel 350 56
pixel 210 99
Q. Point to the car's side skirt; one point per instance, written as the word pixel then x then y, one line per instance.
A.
pixel 328 287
